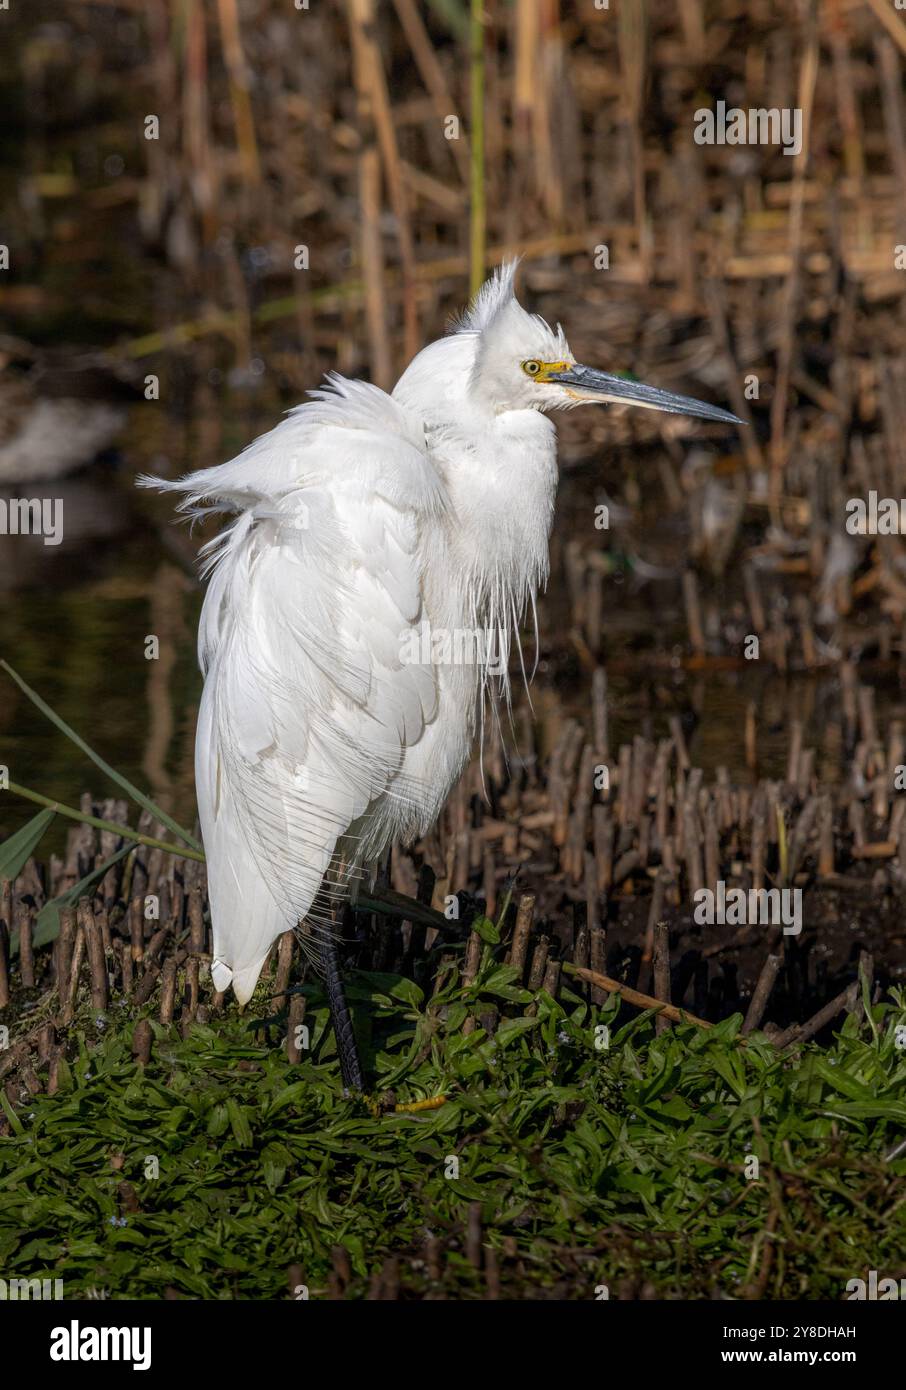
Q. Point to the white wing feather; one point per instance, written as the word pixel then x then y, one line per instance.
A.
pixel 309 703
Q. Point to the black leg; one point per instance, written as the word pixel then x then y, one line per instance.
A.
pixel 350 1067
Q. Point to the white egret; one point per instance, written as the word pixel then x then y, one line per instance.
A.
pixel 370 533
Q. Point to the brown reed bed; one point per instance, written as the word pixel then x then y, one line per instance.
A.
pixel 589 881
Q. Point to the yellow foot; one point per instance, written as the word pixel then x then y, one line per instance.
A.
pixel 413 1107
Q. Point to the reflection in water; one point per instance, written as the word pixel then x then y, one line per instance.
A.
pixel 74 623
pixel 85 513
pixel 53 438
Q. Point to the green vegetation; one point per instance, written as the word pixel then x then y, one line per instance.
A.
pixel 591 1166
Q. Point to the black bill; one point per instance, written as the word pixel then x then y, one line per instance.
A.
pixel 592 385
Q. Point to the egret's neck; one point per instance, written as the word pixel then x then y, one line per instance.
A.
pixel 501 477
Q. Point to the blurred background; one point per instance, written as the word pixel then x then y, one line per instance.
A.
pixel 210 203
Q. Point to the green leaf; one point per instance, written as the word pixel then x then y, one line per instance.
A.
pixel 64 1075
pixel 658 1084
pixel 16 851
pixel 47 922
pixel 487 930
pixel 239 1123
pixel 836 1078
pixel 275 1160
pixel 638 1182
pixel 10 1113
pixel 500 979
pixel 396 986
pixel 729 1067
pixel 676 1108
pixel 511 1028
pixel 218 1121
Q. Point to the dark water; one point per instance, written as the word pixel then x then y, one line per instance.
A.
pixel 74 618
pixel 75 627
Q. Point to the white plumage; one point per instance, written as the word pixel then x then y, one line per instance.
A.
pixel 339 706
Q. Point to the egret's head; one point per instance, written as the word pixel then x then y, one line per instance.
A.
pixel 522 364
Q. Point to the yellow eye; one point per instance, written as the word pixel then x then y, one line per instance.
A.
pixel 532 367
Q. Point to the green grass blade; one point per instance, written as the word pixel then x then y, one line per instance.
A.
pixel 453 14
pixel 121 781
pixel 47 922
pixel 392 904
pixel 182 851
pixel 9 1112
pixel 15 852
